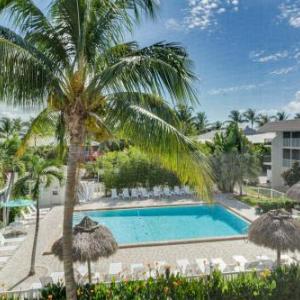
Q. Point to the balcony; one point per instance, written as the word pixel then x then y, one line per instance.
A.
pixel 267 160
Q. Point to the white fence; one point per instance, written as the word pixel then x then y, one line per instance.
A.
pixel 264 192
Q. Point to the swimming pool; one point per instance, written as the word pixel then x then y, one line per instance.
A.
pixel 172 223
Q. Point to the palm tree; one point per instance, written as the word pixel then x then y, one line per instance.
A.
pixel 263 119
pixel 187 120
pixel 6 128
pixel 41 172
pixel 236 117
pixel 281 116
pixel 297 116
pixel 250 116
pixel 201 121
pixel 75 60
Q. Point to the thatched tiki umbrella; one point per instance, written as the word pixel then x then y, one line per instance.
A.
pixel 277 230
pixel 294 192
pixel 91 241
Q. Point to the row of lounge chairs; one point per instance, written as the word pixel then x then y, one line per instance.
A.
pixel 139 271
pixel 157 192
pixel 8 246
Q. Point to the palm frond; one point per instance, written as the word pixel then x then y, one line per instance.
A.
pixel 164 142
pixel 23 77
pixel 153 69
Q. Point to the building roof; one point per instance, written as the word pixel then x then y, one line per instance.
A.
pixel 279 126
pixel 260 138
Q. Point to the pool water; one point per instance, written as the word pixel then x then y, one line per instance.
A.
pixel 143 225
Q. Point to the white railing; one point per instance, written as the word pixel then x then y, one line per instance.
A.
pixel 265 192
pixel 31 294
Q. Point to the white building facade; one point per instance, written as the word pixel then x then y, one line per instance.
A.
pixel 285 148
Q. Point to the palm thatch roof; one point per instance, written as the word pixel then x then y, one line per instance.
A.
pixel 90 242
pixel 276 229
pixel 294 192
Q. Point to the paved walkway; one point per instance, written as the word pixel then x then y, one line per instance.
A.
pixel 14 274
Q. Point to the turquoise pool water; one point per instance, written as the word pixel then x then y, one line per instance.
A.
pixel 142 225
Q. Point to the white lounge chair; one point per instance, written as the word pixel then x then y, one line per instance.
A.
pixel 114 194
pixel 145 193
pixel 135 193
pixel 203 264
pixel 182 265
pixel 46 280
pixel 157 192
pixel 43 211
pixel 57 277
pixel 8 248
pixel 240 262
pixel 178 191
pixel 4 240
pixel 187 190
pixel 167 192
pixel 218 264
pixel 138 271
pixel 259 265
pixel 287 260
pixel 115 270
pixel 125 193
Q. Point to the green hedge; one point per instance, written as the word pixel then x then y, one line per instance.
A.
pixel 282 284
pixel 267 205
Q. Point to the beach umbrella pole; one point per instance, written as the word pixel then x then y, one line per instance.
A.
pixel 89 271
pixel 278 257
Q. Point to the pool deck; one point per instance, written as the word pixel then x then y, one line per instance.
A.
pixel 14 273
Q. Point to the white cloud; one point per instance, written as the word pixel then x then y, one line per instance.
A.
pixel 290 11
pixel 283 71
pixel 294 105
pixel 261 57
pixel 173 24
pixel 233 89
pixel 202 13
pixel 16 112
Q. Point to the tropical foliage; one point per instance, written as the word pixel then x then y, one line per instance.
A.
pixel 76 60
pixel 281 284
pixel 131 168
pixel 233 159
pixel 292 176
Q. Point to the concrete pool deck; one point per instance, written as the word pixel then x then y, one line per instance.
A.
pixel 14 273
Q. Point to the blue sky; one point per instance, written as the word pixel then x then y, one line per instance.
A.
pixel 246 52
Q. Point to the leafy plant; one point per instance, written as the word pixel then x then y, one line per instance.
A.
pixel 292 175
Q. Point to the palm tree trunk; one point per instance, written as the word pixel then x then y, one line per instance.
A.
pixel 7 197
pixel 76 139
pixel 36 233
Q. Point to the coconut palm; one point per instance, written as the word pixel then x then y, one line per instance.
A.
pixel 281 116
pixel 40 172
pixel 187 120
pixel 75 61
pixel 10 127
pixel 250 116
pixel 263 119
pixel 236 117
pixel 201 122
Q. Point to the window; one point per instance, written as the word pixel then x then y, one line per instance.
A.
pixel 286 135
pixel 296 135
pixel 286 154
pixel 295 154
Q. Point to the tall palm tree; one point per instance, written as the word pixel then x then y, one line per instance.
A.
pixel 187 120
pixel 281 116
pixel 250 116
pixel 263 119
pixel 6 128
pixel 236 117
pixel 40 172
pixel 201 121
pixel 76 62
